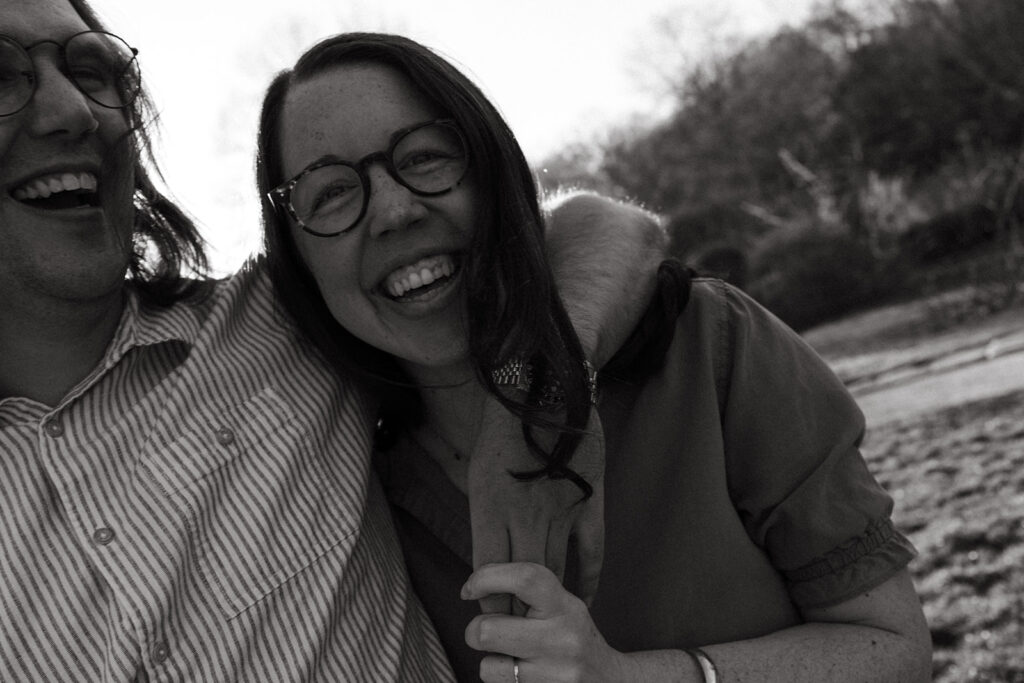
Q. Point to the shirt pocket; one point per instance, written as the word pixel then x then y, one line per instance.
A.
pixel 258 501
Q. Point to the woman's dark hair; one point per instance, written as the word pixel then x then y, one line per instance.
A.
pixel 166 239
pixel 513 309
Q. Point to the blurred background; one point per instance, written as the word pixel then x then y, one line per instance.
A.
pixel 855 165
pixel 565 73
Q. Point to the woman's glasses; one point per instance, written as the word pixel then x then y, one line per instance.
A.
pixel 331 197
pixel 100 64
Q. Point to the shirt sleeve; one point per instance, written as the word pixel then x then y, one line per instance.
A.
pixel 796 475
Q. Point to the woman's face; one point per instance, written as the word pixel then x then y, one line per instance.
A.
pixel 395 279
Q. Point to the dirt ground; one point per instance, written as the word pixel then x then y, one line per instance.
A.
pixel 957 477
pixel 956 474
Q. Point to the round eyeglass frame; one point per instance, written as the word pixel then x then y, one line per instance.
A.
pixel 280 196
pixel 69 73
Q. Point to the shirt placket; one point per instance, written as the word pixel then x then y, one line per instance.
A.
pixel 93 481
pixel 68 462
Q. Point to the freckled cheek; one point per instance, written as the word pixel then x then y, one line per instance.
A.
pixel 339 285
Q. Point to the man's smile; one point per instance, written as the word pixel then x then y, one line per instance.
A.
pixel 64 190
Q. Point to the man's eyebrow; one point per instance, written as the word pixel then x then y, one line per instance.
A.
pixel 28 38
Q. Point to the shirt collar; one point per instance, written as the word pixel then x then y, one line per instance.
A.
pixel 143 324
pixel 140 325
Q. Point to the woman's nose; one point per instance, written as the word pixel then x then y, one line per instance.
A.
pixel 391 205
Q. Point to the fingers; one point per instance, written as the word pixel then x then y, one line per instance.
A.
pixel 491 542
pixel 495 498
pixel 504 634
pixel 501 669
pixel 530 543
pixel 532 522
pixel 495 602
pixel 532 583
pixel 528 539
pixel 556 640
pixel 490 545
pixel 558 546
pixel 589 533
pixel 528 546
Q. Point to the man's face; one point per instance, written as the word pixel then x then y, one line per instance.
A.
pixel 70 245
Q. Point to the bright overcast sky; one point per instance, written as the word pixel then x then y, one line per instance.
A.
pixel 560 71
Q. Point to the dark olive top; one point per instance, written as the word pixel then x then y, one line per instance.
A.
pixel 735 494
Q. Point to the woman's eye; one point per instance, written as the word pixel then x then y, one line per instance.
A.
pixel 425 160
pixel 421 158
pixel 332 197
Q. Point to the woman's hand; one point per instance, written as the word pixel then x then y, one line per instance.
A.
pixel 556 640
pixel 515 521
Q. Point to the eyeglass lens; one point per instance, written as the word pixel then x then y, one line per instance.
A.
pixel 101 65
pixel 427 160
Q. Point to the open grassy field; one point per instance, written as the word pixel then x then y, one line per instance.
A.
pixel 956 473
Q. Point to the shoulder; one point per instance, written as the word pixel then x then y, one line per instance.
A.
pixel 241 316
pixel 737 318
pixel 709 300
pixel 249 285
pixel 716 298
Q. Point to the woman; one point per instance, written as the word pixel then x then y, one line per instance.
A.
pixel 740 517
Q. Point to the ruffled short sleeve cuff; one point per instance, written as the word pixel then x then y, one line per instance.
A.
pixel 856 566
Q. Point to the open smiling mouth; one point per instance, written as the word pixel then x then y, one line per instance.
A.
pixel 59 191
pixel 421 278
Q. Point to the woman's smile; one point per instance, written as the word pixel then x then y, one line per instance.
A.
pixel 424 288
pixel 421 279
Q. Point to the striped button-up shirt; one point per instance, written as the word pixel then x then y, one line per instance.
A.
pixel 200 508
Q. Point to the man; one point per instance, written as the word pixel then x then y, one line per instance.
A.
pixel 185 490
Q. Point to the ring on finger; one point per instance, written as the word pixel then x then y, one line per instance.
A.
pixel 515 669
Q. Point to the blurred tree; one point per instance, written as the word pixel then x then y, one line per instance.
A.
pixel 681 42
pixel 733 117
pixel 578 166
pixel 941 76
pixel 831 139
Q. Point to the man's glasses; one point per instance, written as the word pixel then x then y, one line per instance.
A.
pixel 329 198
pixel 100 64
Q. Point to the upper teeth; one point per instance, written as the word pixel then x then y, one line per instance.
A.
pixel 419 274
pixel 44 186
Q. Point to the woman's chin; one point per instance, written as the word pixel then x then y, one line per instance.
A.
pixel 450 366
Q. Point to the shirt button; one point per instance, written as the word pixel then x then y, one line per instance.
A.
pixel 225 437
pixel 103 535
pixel 54 428
pixel 161 651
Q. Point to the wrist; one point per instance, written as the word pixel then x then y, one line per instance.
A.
pixel 668 666
pixel 626 666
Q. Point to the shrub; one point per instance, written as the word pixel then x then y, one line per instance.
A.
pixel 807 277
pixel 723 261
pixel 950 234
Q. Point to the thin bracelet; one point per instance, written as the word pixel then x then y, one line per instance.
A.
pixel 707 667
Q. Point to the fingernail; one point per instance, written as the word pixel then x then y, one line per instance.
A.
pixel 464 593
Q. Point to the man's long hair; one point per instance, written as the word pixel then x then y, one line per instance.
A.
pixel 512 306
pixel 169 254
